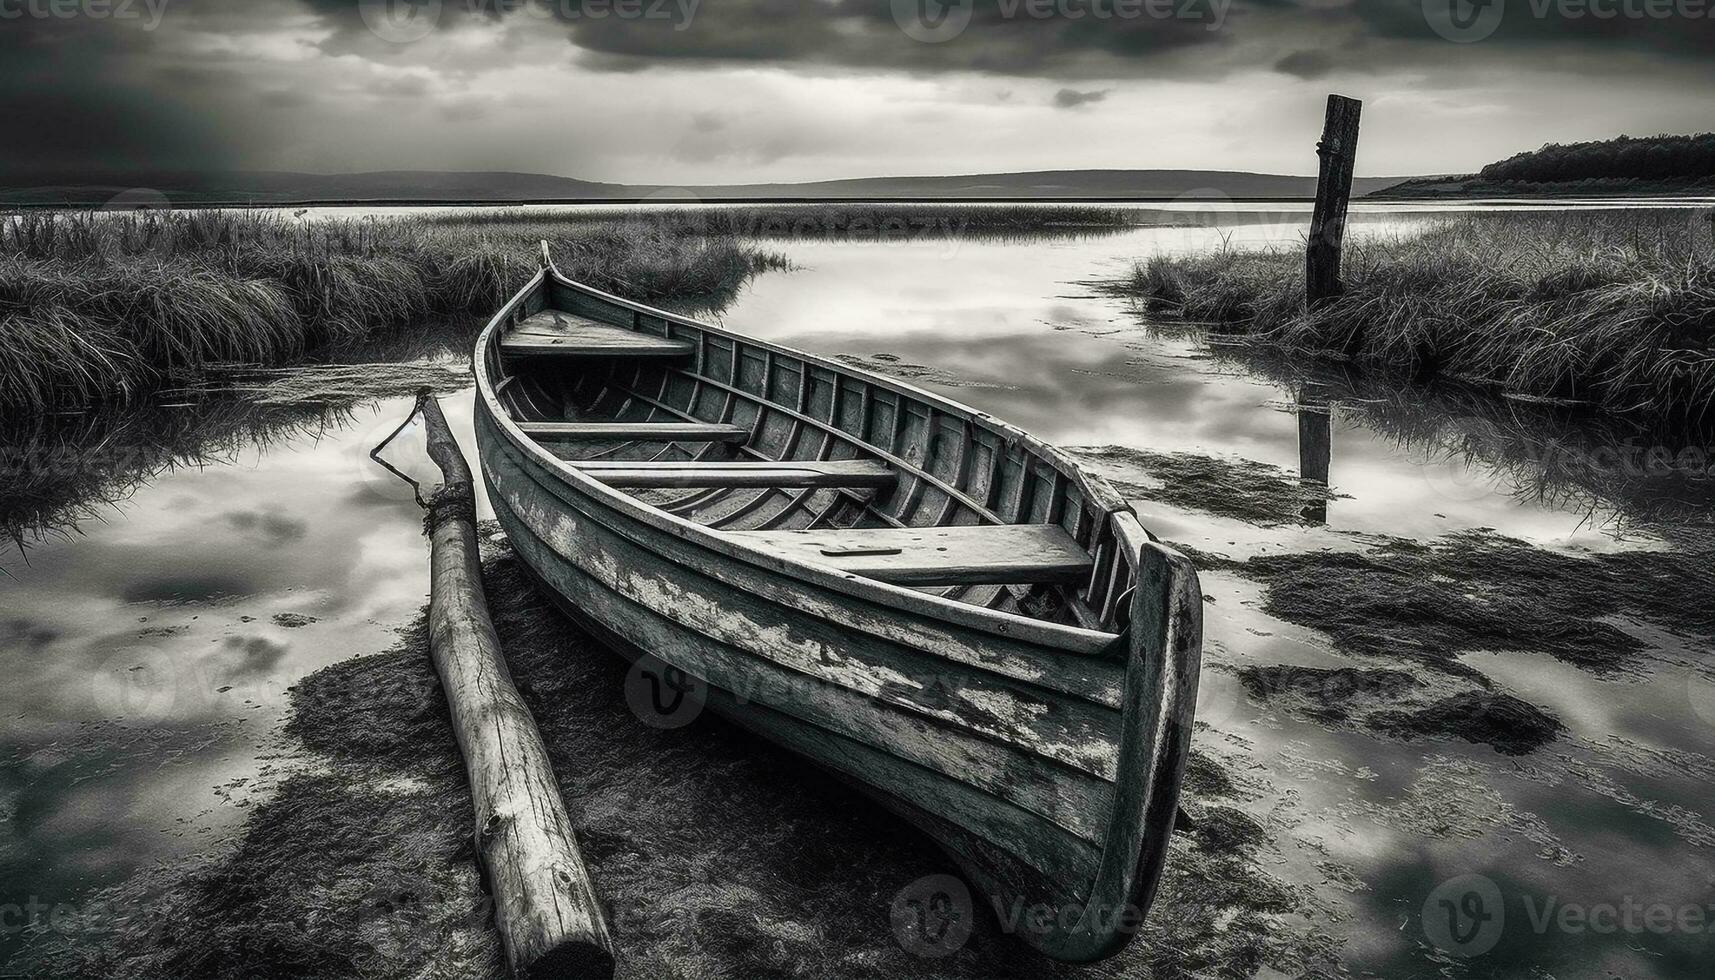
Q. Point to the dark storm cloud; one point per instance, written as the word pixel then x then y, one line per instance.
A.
pixel 114 90
pixel 1074 38
pixel 77 94
pixel 1021 37
pixel 1068 98
pixel 1306 64
pixel 87 94
pixel 1001 36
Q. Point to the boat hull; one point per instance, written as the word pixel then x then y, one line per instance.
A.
pixel 1045 761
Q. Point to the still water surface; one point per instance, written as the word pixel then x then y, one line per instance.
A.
pixel 149 651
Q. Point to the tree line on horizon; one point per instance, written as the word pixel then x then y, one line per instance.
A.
pixel 1664 157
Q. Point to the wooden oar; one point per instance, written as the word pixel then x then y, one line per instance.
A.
pixel 545 905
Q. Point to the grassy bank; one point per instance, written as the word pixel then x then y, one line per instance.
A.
pixel 1615 310
pixel 101 307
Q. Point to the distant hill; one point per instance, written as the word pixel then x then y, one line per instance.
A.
pixel 427 186
pixel 1058 185
pixel 1656 165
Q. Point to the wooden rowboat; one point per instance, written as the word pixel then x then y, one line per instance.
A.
pixel 926 600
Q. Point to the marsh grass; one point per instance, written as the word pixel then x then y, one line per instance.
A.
pixel 855 220
pixel 102 307
pixel 1614 309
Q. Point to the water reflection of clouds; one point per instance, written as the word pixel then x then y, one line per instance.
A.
pixel 149 665
pixel 271 527
pixel 1370 825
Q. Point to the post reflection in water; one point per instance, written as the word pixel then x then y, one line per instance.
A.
pixel 1315 445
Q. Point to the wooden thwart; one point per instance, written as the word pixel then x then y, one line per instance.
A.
pixel 993 554
pixel 635 431
pixel 848 473
pixel 552 333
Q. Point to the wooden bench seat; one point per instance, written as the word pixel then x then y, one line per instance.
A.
pixel 552 333
pixel 991 554
pixel 847 473
pixel 635 431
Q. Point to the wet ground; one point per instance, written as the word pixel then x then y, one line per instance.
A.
pixel 1495 674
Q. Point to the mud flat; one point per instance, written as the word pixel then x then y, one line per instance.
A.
pixel 715 853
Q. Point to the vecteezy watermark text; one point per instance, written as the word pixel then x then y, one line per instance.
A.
pixel 404 21
pixel 1213 13
pixel 149 12
pixel 1468 915
pixel 935 915
pixel 1465 21
pixel 936 21
pixel 35 915
pixel 679 12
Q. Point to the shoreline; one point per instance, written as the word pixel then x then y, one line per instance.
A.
pixel 1500 196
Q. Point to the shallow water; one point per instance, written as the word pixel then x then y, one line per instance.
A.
pixel 152 648
pixel 1615 812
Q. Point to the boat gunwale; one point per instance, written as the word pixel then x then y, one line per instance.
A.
pixel 1073 640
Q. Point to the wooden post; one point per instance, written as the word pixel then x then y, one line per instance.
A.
pixel 545 905
pixel 1339 151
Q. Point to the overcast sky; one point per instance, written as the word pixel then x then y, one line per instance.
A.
pixel 682 92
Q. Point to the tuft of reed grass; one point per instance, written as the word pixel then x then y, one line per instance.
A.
pixel 104 306
pixel 1611 309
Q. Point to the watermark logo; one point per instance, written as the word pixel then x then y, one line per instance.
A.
pixel 400 21
pixel 671 212
pixel 414 919
pixel 932 21
pixel 1700 691
pixel 663 696
pixel 1702 225
pixel 149 12
pixel 1464 21
pixel 137 199
pixel 1465 916
pixel 1458 472
pixel 933 916
pixel 936 21
pixel 140 685
pixel 403 445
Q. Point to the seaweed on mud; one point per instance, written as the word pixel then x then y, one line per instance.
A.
pixel 1475 590
pixel 1482 591
pixel 1240 489
pixel 1512 726
pixel 716 853
pixel 1204 777
pixel 1227 830
pixel 1397 704
pixel 1205 561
